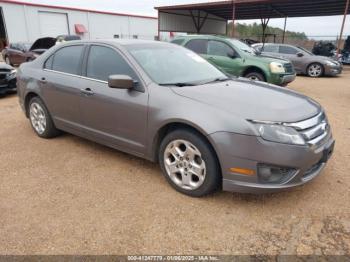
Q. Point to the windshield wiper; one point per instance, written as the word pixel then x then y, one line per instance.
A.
pixel 219 79
pixel 177 84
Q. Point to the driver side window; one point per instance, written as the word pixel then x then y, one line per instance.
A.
pixel 104 61
pixel 288 50
pixel 217 48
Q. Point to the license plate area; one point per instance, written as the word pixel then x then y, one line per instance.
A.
pixel 327 153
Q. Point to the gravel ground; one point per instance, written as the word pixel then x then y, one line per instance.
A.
pixel 72 196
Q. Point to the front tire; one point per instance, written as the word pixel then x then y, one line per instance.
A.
pixel 189 163
pixel 315 70
pixel 255 76
pixel 41 120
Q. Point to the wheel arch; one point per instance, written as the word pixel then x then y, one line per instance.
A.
pixel 175 125
pixel 252 68
pixel 27 99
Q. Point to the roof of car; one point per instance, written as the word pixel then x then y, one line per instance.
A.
pixel 203 36
pixel 123 42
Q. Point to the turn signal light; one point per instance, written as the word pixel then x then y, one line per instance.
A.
pixel 243 171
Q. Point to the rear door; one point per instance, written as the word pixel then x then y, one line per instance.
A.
pixel 113 116
pixel 271 50
pixel 61 85
pixel 225 57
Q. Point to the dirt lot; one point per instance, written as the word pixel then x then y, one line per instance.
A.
pixel 72 196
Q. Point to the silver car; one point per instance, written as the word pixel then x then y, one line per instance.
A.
pixel 164 103
pixel 304 61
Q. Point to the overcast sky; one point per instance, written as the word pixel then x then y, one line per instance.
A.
pixel 313 26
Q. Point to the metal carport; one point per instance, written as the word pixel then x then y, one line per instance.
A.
pixel 213 17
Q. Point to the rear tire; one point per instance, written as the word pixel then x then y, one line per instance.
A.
pixel 255 76
pixel 40 119
pixel 189 163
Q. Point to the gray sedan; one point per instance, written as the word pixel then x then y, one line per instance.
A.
pixel 166 104
pixel 303 60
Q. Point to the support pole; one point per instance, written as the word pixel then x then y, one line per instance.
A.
pixel 233 18
pixel 284 29
pixel 264 23
pixel 158 26
pixel 342 27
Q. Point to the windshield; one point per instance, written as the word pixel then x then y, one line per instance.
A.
pixel 243 46
pixel 173 65
pixel 305 50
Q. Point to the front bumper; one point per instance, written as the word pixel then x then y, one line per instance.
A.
pixel 7 84
pixel 333 70
pixel 282 79
pixel 242 151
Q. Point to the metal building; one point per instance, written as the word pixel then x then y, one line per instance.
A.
pixel 25 22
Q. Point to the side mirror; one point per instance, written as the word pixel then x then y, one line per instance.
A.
pixel 120 82
pixel 300 54
pixel 231 55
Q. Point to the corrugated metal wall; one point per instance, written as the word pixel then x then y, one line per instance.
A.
pixel 23 24
pixel 182 21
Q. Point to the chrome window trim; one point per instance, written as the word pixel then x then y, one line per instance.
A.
pixel 77 76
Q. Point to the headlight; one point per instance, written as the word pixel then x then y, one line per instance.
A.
pixel 279 133
pixel 330 63
pixel 276 67
pixel 13 72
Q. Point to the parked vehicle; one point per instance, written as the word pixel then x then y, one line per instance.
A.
pixel 7 78
pixel 165 103
pixel 303 60
pixel 239 59
pixel 19 53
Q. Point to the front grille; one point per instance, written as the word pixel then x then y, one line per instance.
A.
pixel 289 68
pixel 3 76
pixel 314 130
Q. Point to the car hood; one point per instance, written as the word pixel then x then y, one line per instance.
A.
pixel 268 58
pixel 4 66
pixel 43 43
pixel 253 101
pixel 322 58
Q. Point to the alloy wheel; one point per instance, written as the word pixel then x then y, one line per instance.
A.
pixel 184 164
pixel 315 70
pixel 37 117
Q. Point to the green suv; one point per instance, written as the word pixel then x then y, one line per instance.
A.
pixel 239 59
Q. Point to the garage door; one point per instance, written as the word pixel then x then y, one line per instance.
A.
pixel 53 24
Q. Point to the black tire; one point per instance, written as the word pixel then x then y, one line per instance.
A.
pixel 308 72
pixel 212 180
pixel 255 76
pixel 50 131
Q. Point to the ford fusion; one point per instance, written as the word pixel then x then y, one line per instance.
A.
pixel 164 103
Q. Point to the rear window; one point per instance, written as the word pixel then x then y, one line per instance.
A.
pixel 177 41
pixel 67 59
pixel 198 45
pixel 271 48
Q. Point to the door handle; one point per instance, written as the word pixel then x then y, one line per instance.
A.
pixel 87 91
pixel 43 80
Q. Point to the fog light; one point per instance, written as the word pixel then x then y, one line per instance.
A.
pixel 274 174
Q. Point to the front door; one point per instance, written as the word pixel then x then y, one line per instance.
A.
pixel 225 57
pixel 290 53
pixel 116 116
